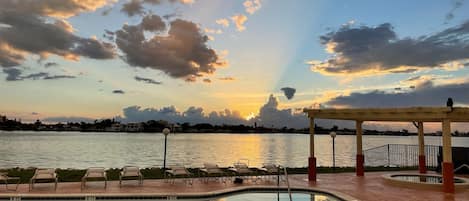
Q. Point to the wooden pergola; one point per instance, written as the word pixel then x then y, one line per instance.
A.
pixel 445 115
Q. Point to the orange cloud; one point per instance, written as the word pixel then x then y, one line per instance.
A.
pixel 239 21
pixel 53 8
pixel 223 21
pixel 252 6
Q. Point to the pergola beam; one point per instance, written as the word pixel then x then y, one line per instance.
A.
pixel 417 114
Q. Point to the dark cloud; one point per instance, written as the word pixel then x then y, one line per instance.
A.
pixel 118 91
pixel 288 92
pixel 55 77
pixel 153 23
pixel 181 53
pixel 35 76
pixel 67 119
pixel 378 49
pixel 14 74
pixel 426 95
pixel 50 64
pixel 34 113
pixel 52 8
pixel 133 7
pixel 147 80
pixel 455 4
pixel 50 37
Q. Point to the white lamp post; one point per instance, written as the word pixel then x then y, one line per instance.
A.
pixel 166 132
pixel 333 135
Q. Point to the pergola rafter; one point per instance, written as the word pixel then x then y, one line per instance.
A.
pixel 445 115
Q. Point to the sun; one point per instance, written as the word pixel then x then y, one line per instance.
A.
pixel 250 116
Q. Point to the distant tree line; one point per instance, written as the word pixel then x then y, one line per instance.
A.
pixel 153 126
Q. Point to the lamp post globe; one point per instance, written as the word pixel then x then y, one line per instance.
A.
pixel 166 132
pixel 333 134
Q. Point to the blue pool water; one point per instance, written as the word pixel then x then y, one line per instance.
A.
pixel 248 196
pixel 274 196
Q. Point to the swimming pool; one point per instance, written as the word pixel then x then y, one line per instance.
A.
pixel 252 194
pixel 281 197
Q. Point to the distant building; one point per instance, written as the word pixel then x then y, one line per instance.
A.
pixel 134 127
pixel 116 127
pixel 3 119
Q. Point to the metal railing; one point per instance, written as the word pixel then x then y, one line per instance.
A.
pixel 400 155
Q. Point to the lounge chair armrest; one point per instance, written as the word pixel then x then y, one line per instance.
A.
pixel 204 170
pixel 169 172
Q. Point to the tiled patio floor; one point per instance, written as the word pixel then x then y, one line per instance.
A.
pixel 371 187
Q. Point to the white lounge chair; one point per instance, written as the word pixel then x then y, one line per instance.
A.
pixel 131 172
pixel 94 173
pixel 271 170
pixel 212 170
pixel 45 174
pixel 242 169
pixel 179 172
pixel 5 179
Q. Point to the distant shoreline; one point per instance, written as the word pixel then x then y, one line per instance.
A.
pixel 220 132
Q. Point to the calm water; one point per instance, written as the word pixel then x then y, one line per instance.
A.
pixel 82 150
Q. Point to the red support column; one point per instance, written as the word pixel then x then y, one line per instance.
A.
pixel 360 165
pixel 312 169
pixel 422 166
pixel 448 182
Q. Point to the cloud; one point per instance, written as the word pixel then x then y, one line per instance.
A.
pixel 133 7
pixel 153 23
pixel 455 4
pixel 252 6
pixel 227 78
pixel 136 7
pixel 118 91
pixel 206 80
pixel 14 74
pixel 50 64
pixel 63 119
pixel 428 94
pixel 34 113
pixel 147 80
pixel 213 31
pixel 52 8
pixel 239 21
pixel 288 92
pixel 271 116
pixel 181 53
pixel 193 115
pixel 370 50
pixel 50 37
pixel 223 21
pixel 55 77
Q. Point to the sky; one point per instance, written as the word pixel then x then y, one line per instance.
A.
pixel 228 61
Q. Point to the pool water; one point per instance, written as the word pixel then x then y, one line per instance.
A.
pixel 256 196
pixel 424 179
pixel 281 196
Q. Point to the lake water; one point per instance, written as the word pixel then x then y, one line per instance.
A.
pixel 82 150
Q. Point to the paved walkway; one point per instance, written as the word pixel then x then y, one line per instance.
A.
pixel 371 187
